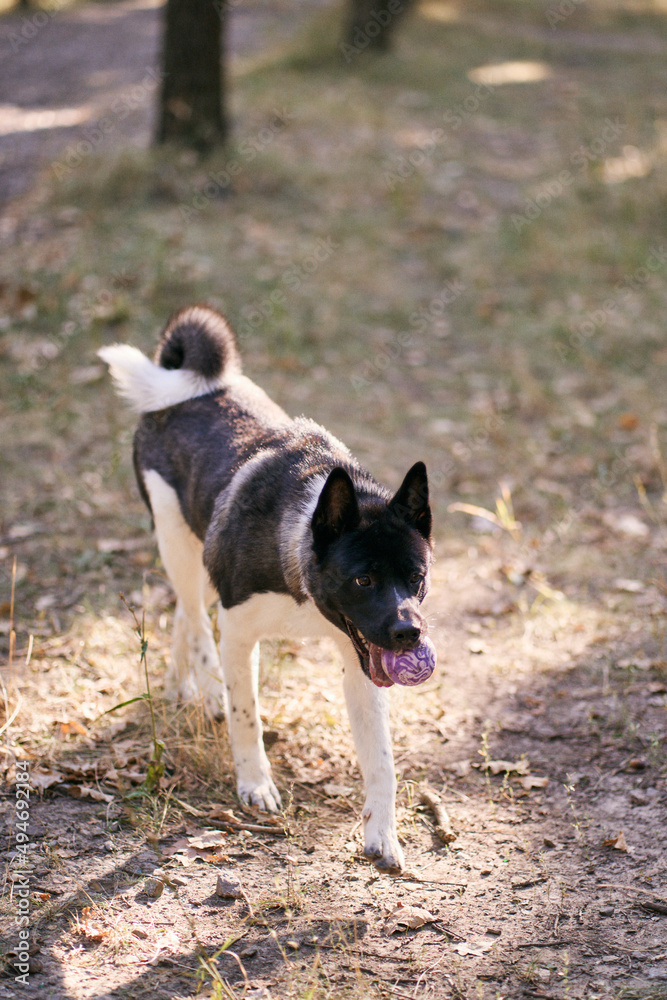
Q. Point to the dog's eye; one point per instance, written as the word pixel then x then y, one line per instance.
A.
pixel 363 581
pixel 416 579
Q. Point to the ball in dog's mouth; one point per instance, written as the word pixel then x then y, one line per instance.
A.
pixel 410 667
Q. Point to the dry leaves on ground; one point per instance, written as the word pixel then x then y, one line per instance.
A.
pixel 618 843
pixel 407 917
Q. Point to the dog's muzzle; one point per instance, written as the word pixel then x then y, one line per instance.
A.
pixel 370 656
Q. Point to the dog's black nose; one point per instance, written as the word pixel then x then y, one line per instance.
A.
pixel 406 635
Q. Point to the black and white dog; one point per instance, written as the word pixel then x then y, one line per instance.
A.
pixel 275 519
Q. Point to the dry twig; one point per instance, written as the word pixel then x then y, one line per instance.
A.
pixel 443 827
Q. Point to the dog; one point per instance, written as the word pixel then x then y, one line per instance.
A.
pixel 275 519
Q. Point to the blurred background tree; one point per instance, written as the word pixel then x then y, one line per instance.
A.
pixel 371 23
pixel 192 97
pixel 191 108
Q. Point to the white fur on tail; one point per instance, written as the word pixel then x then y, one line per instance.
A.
pixel 147 386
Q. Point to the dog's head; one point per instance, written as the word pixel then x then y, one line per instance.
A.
pixel 370 567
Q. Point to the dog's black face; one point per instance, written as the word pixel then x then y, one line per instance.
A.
pixel 370 566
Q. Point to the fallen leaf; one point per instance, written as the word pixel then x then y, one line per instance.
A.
pixel 335 791
pixel 460 768
pixel 188 855
pixel 222 814
pixel 88 792
pixel 79 769
pixel 42 779
pixel 475 950
pixel 625 524
pixel 618 843
pixel 507 766
pixel 628 421
pixel 90 928
pixel 203 845
pixel 532 781
pixel 208 839
pixel 67 728
pixel 406 917
pixel 628 586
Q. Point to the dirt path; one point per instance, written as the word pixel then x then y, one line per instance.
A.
pixel 63 74
pixel 537 896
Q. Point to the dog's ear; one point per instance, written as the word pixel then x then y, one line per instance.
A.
pixel 337 511
pixel 411 502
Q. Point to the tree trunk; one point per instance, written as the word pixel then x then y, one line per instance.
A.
pixel 191 110
pixel 371 24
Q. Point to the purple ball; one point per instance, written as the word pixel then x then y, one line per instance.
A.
pixel 414 666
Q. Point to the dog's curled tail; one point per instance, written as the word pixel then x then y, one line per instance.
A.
pixel 196 355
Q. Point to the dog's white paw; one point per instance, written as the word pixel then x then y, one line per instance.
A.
pixel 180 685
pixel 185 687
pixel 381 844
pixel 263 794
pixel 214 705
pixel 212 695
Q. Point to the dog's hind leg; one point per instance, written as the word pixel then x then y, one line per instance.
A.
pixel 368 711
pixel 240 629
pixel 195 666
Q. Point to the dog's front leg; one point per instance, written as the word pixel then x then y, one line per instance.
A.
pixel 240 664
pixel 368 710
